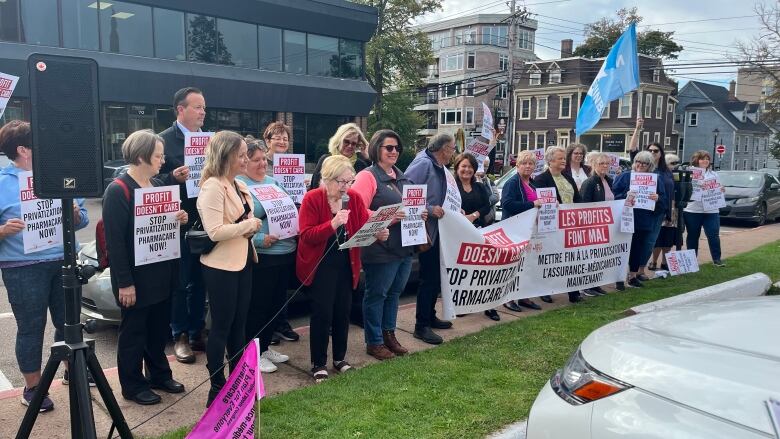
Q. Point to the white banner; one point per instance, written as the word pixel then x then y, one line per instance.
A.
pixel 681 262
pixel 539 153
pixel 280 210
pixel 483 268
pixel 194 157
pixel 712 197
pixel 375 223
pixel 548 211
pixel 290 172
pixel 642 185
pixel 452 200
pixel 7 86
pixel 487 122
pixel 412 226
pixel 42 218
pixel 480 151
pixel 156 236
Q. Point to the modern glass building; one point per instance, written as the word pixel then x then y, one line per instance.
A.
pixel 256 61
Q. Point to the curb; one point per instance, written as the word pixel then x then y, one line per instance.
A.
pixel 753 285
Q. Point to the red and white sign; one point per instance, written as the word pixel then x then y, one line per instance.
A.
pixel 642 185
pixel 720 150
pixel 280 210
pixel 42 218
pixel 548 211
pixel 412 226
pixel 156 236
pixel 375 223
pixel 7 86
pixel 290 172
pixel 195 156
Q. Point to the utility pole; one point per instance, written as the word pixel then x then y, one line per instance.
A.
pixel 515 16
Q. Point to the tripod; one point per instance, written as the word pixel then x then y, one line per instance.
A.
pixel 79 353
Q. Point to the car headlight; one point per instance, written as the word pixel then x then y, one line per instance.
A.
pixel 578 383
pixel 746 200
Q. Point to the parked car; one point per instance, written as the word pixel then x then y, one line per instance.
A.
pixel 700 371
pixel 750 196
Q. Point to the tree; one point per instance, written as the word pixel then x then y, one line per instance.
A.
pixel 396 52
pixel 602 35
pixel 205 43
pixel 396 108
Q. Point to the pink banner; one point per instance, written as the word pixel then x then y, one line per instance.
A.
pixel 232 414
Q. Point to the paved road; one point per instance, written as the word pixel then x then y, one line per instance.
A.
pixel 105 336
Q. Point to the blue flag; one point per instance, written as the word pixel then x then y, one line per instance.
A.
pixel 618 75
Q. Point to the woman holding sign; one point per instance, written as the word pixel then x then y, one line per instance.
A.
pixel 143 291
pixel 598 187
pixel 349 142
pixel 276 262
pixel 698 217
pixel 225 208
pixel 33 279
pixel 329 216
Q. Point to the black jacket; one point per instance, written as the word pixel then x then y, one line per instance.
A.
pixel 592 189
pixel 174 158
pixel 545 179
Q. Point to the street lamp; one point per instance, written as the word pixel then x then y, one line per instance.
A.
pixel 715 133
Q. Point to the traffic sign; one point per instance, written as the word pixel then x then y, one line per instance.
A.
pixel 720 149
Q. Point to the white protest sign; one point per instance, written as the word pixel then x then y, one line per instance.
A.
pixel 548 211
pixel 697 177
pixel 280 210
pixel 627 219
pixel 487 122
pixel 643 184
pixel 480 151
pixel 773 406
pixel 483 268
pixel 42 218
pixel 539 153
pixel 194 157
pixel 712 197
pixel 412 226
pixel 7 86
pixel 375 223
pixel 290 172
pixel 681 262
pixel 614 165
pixel 156 236
pixel 452 200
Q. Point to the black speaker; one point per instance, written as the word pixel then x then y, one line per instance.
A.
pixel 65 123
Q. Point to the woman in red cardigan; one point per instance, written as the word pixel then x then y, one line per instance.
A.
pixel 331 274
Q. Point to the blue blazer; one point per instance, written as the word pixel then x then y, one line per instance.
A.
pixel 513 198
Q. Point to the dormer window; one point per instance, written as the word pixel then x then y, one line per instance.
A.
pixel 555 74
pixel 656 75
pixel 535 76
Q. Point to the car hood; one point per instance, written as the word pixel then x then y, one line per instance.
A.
pixel 741 192
pixel 722 358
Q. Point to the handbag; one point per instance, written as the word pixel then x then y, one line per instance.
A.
pixel 198 240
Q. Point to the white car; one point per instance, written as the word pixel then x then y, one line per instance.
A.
pixel 695 371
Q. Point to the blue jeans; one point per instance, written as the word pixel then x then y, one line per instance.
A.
pixel 32 290
pixel 384 284
pixel 429 288
pixel 711 223
pixel 649 238
pixel 188 301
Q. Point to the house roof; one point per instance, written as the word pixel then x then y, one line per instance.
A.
pixel 719 101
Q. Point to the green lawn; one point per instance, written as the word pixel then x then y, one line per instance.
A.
pixel 478 383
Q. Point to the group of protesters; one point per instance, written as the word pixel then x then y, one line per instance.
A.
pixel 247 273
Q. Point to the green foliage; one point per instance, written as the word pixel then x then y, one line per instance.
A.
pixel 205 43
pixel 602 34
pixel 399 117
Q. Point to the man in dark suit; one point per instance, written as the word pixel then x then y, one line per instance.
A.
pixel 189 299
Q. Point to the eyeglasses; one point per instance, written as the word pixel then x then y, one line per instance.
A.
pixel 391 148
pixel 654 151
pixel 577 153
pixel 345 182
pixel 642 163
pixel 351 143
pixel 280 139
pixel 674 163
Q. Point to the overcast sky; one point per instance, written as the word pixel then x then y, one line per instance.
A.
pixel 722 23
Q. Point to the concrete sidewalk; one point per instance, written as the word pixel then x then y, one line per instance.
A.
pixel 291 375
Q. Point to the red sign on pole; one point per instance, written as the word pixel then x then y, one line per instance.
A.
pixel 720 149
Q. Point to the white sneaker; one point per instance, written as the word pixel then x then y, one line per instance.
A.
pixel 274 356
pixel 266 366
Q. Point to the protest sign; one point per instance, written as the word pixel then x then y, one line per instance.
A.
pixel 539 153
pixel 194 157
pixel 483 268
pixel 643 184
pixel 156 236
pixel 480 151
pixel 697 177
pixel 232 413
pixel 627 219
pixel 487 123
pixel 412 226
pixel 42 218
pixel 452 200
pixel 548 211
pixel 7 86
pixel 290 172
pixel 681 262
pixel 375 223
pixel 614 165
pixel 712 197
pixel 280 210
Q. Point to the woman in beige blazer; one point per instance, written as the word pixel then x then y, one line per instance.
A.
pixel 225 208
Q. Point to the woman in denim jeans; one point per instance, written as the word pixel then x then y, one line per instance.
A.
pixel 387 264
pixel 696 216
pixel 33 280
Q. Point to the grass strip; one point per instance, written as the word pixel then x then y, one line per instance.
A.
pixel 475 384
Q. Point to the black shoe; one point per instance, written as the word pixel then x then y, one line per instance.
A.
pixel 144 397
pixel 493 315
pixel 275 340
pixel 427 335
pixel 664 267
pixel 587 292
pixel 170 386
pixel 642 277
pixel 620 286
pixel 440 324
pixel 599 291
pixel 286 332
pixel 547 299
pixel 718 263
pixel 528 304
pixel 576 299
pixel 513 306
pixel 634 282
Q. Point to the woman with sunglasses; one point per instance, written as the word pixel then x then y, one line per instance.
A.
pixel 349 142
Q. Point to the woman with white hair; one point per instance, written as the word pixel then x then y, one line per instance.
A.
pixel 349 142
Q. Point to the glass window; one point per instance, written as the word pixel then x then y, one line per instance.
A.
pixel 555 76
pixel 525 108
pixel 469 116
pixel 565 110
pixel 202 38
pixel 18 109
pixel 311 133
pixel 694 119
pixel 541 108
pixel 470 86
pixel 503 62
pixel 351 59
pixel 80 24
pixel 40 24
pixel 648 106
pixel 525 39
pixel 541 140
pixel 9 20
pixel 169 34
pixel 238 45
pixel 502 90
pixel 624 106
pixel 270 48
pixel 294 52
pixel 535 78
pixel 471 60
pixel 323 55
pixel 126 28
